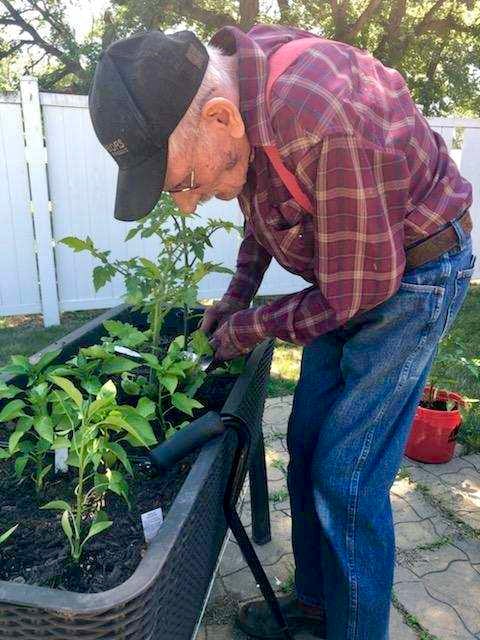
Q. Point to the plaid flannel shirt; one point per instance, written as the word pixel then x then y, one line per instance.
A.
pixel 378 176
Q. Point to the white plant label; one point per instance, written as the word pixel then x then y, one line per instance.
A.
pixel 61 456
pixel 127 352
pixel 151 522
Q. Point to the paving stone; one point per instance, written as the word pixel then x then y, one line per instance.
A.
pixel 449 467
pixel 412 534
pixel 241 585
pixel 459 586
pixel 435 560
pixel 399 630
pixel 219 632
pixel 201 634
pixel 435 616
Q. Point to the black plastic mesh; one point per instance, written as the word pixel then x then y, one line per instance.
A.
pixel 162 600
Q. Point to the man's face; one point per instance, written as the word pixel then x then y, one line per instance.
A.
pixel 218 156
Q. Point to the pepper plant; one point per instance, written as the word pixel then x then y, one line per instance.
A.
pixel 97 429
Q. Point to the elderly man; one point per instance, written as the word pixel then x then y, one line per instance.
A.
pixel 342 181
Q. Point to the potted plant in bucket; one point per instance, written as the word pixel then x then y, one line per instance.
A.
pixel 438 418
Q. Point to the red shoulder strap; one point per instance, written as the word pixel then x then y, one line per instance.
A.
pixel 278 63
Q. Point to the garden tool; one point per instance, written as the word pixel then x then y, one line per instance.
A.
pixel 206 363
pixel 195 436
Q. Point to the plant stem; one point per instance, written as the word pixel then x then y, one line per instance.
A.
pixel 156 332
pixel 78 510
pixel 185 260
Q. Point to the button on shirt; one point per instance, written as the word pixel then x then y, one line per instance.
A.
pixel 378 177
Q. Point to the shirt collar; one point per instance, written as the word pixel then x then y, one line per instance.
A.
pixel 252 78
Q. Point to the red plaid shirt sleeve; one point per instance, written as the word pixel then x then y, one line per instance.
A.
pixel 360 193
pixel 253 260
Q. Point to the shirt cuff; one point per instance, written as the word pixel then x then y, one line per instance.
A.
pixel 246 328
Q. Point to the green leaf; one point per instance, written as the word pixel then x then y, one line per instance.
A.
pixel 96 351
pixel 69 389
pixel 150 267
pixel 66 526
pixel 200 343
pixel 20 464
pixel 96 528
pixel 46 359
pixel 106 396
pixel 4 536
pixel 185 404
pixel 61 442
pixel 151 360
pixel 77 244
pixel 12 410
pixel 16 436
pixel 132 233
pixel 8 390
pixel 169 382
pixel 102 275
pixel 135 425
pixel 117 364
pixel 42 474
pixel 129 335
pixel 121 454
pixel 146 408
pixel 44 427
pixel 73 459
pixel 58 505
pixel 4 454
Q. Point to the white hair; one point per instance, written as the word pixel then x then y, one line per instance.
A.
pixel 220 79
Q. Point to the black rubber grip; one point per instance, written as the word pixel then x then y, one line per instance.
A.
pixel 187 440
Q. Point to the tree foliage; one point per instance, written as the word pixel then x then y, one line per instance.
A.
pixel 435 44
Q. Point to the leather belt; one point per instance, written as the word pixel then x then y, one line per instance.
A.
pixel 433 246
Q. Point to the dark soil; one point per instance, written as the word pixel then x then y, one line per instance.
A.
pixel 437 405
pixel 38 552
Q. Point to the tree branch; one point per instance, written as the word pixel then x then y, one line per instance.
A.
pixel 392 33
pixel 284 9
pixel 15 47
pixel 62 29
pixel 207 17
pixel 72 64
pixel 248 13
pixel 353 31
pixel 424 24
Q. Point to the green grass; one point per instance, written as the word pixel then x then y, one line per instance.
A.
pixel 26 334
pixel 285 369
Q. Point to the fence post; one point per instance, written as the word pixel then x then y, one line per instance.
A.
pixel 36 160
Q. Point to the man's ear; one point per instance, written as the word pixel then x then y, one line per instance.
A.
pixel 223 113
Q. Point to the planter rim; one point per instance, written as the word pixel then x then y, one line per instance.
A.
pixel 63 602
pixel 444 394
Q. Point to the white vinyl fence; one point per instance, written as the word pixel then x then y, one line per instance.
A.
pixel 56 180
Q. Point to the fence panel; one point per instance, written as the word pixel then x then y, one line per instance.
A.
pixel 19 289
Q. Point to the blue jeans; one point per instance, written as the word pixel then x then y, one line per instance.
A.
pixel 353 407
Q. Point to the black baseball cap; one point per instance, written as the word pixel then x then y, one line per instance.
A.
pixel 142 88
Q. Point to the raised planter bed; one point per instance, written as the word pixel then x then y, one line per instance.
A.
pixel 165 596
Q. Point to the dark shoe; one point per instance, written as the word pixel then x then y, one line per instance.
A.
pixel 255 619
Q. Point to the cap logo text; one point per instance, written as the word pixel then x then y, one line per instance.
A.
pixel 117 148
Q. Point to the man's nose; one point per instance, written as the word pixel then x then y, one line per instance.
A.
pixel 186 201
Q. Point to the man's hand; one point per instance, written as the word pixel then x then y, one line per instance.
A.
pixel 219 313
pixel 237 335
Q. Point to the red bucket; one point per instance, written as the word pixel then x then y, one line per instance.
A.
pixel 433 432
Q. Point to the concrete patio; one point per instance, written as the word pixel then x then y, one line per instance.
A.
pixel 437 521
